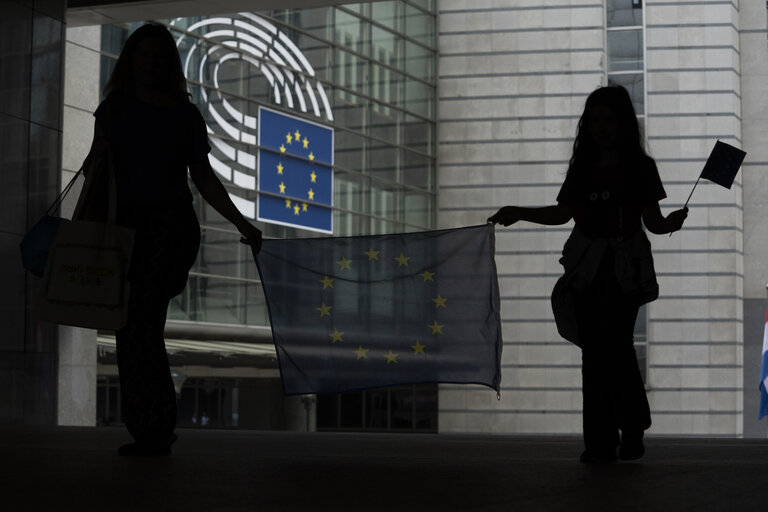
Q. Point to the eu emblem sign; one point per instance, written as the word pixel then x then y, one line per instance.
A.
pixel 295 172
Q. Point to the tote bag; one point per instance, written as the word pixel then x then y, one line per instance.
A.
pixel 37 243
pixel 85 281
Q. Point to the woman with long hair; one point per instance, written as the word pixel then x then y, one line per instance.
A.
pixel 153 134
pixel 611 189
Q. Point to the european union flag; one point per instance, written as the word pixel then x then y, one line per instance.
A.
pixel 371 311
pixel 295 172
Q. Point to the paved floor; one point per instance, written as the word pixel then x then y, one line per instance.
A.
pixel 60 468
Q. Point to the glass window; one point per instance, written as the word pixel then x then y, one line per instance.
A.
pixel 417 170
pixel 386 13
pixel 418 134
pixel 623 13
pixel 427 5
pixel 383 162
pixel 113 38
pixel 418 209
pixel 419 61
pixel 383 201
pixel 419 99
pixel 402 408
pixel 625 50
pixel 419 25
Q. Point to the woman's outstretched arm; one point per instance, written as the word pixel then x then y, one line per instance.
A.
pixel 216 195
pixel 660 225
pixel 548 215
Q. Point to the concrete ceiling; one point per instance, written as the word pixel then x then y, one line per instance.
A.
pixel 99 12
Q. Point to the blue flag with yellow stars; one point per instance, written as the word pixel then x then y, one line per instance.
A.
pixel 361 312
pixel 295 172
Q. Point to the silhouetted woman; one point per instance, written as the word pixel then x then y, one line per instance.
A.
pixel 154 134
pixel 611 185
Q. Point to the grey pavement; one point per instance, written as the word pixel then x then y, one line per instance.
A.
pixel 70 468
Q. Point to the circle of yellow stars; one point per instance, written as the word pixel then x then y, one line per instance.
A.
pixel 297 206
pixel 391 357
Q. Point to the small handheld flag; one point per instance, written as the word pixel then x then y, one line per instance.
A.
pixel 722 166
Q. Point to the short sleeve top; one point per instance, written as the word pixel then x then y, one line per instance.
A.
pixel 608 202
pixel 152 147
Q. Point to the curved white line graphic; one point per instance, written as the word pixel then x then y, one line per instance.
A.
pixel 257 42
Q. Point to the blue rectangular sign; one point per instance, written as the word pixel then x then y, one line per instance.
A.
pixel 295 172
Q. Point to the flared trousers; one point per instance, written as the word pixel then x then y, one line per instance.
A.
pixel 167 241
pixel 612 386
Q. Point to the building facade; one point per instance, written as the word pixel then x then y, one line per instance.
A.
pixel 513 79
pixel 444 111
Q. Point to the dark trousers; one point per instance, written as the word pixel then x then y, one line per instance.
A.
pixel 166 245
pixel 612 386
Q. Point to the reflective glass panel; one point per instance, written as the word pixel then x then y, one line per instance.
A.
pixel 623 13
pixel 625 50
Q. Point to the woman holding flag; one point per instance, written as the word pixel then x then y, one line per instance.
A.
pixel 153 134
pixel 611 185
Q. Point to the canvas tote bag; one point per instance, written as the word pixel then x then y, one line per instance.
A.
pixel 85 281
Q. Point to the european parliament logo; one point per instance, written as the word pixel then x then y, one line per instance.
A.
pixel 295 172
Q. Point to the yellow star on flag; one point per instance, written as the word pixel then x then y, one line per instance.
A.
pixel 418 348
pixel 305 142
pixel 362 353
pixel 439 301
pixel 304 207
pixel 402 260
pixel 327 282
pixel 288 138
pixel 280 168
pixel 297 135
pixel 311 194
pixel 324 310
pixel 296 209
pixel 436 328
pixel 287 203
pixel 311 156
pixel 391 357
pixel 428 276
pixel 282 148
pixel 282 187
pixel 372 255
pixel 344 263
pixel 336 335
pixel 313 176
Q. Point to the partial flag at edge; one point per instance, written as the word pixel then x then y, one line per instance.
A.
pixel 764 373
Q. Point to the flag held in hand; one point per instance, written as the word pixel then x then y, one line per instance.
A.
pixel 363 312
pixel 723 164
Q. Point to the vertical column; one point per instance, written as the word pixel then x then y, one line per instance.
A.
pixel 753 38
pixel 31 53
pixel 77 366
pixel 696 327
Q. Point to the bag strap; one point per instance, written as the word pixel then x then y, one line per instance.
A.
pixel 111 189
pixel 60 199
